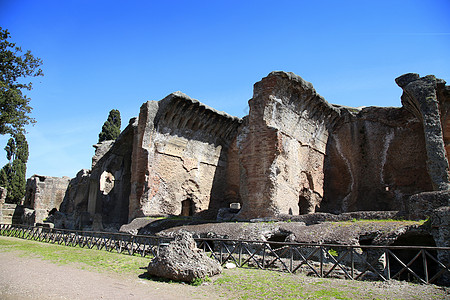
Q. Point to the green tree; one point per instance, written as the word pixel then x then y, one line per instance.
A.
pixel 13 174
pixel 111 128
pixel 15 66
pixel 10 149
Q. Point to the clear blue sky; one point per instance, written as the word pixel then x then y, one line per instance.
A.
pixel 103 55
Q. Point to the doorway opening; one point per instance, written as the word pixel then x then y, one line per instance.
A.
pixel 303 201
pixel 187 207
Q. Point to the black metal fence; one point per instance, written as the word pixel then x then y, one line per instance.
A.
pixel 413 263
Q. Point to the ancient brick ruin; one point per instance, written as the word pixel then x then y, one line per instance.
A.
pixel 300 154
pixel 44 194
pixel 294 153
pixel 183 161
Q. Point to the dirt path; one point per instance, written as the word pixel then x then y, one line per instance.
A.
pixel 32 278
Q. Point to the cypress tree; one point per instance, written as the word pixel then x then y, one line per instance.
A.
pixel 111 128
pixel 13 174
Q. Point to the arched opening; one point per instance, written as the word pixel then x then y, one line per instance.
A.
pixel 304 200
pixel 277 237
pixel 187 207
pixel 302 205
pixel 407 255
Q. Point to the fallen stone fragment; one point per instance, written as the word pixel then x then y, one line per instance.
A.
pixel 230 266
pixel 181 260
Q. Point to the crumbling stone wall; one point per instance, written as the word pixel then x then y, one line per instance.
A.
pixel 443 97
pixel 299 154
pixel 98 198
pixel 44 193
pixel 375 160
pixel 293 154
pixel 422 97
pixel 110 179
pixel 180 158
pixel 282 147
pixel 77 193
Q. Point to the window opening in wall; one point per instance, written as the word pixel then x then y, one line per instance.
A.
pixel 303 205
pixel 187 207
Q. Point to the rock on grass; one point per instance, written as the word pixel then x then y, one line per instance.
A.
pixel 181 260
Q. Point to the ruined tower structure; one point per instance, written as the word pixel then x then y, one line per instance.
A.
pixel 294 153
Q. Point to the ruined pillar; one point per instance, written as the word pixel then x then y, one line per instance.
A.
pixel 420 97
pixel 282 147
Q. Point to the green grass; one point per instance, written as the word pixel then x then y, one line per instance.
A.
pixel 386 221
pixel 261 284
pixel 333 252
pixel 98 260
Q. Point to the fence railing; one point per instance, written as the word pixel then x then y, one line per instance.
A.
pixel 365 262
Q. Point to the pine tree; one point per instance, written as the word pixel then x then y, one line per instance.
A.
pixel 13 174
pixel 111 128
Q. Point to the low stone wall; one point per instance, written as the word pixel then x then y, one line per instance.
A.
pixel 44 193
pixel 11 213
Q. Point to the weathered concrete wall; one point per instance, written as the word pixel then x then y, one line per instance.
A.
pixel 110 179
pixel 180 155
pixel 43 193
pixel 375 160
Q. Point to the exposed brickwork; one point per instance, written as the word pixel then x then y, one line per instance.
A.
pixel 180 155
